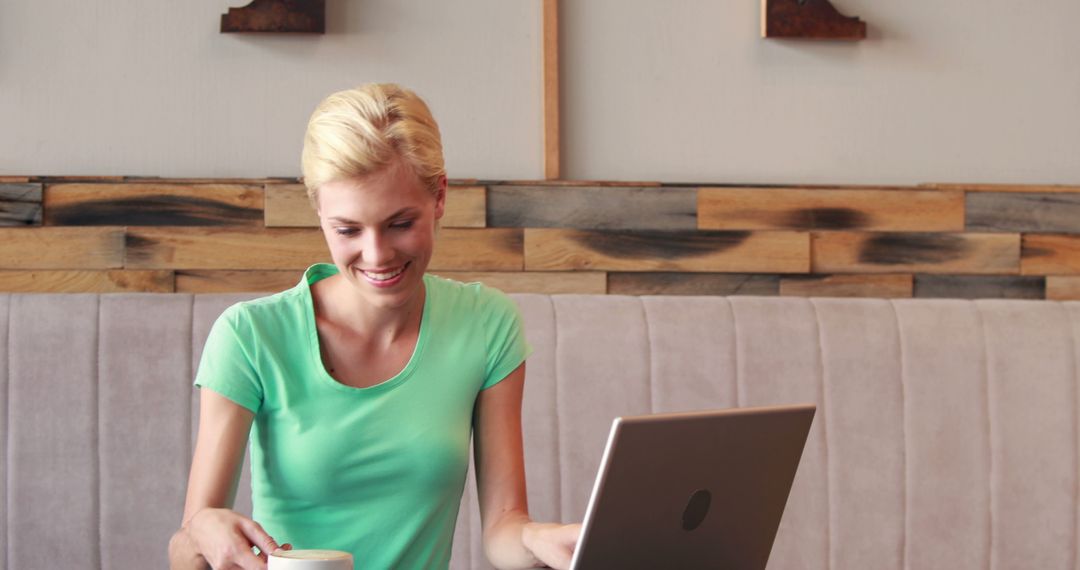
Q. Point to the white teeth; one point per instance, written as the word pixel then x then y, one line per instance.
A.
pixel 384 276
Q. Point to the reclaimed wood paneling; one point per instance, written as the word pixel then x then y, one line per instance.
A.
pixel 572 183
pixel 1031 212
pixel 14 179
pixel 980 286
pixel 491 249
pixel 808 19
pixel 224 248
pixel 803 209
pixel 856 252
pixel 692 284
pixel 876 286
pixel 277 16
pixel 1050 255
pixel 20 204
pixel 592 208
pixel 1036 188
pixel 548 283
pixel 700 251
pixel 109 281
pixel 225 281
pixel 61 248
pixel 153 205
pixel 287 206
pixel 1063 288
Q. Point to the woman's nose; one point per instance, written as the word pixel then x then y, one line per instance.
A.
pixel 377 250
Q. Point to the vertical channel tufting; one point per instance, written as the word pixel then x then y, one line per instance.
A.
pixel 5 375
pixel 737 348
pixel 989 438
pixel 559 514
pixel 649 360
pixel 822 412
pixel 905 476
pixel 96 422
pixel 1073 311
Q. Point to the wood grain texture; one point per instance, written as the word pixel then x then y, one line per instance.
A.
pixel 277 16
pixel 547 283
pixel 700 251
pixel 550 102
pixel 224 248
pixel 692 284
pixel 808 19
pixel 980 286
pixel 857 252
pixel 227 281
pixel 1050 255
pixel 832 209
pixel 1061 288
pixel 1023 212
pixel 153 205
pixel 571 183
pixel 14 179
pixel 490 249
pixel 20 204
pixel 1011 188
pixel 592 208
pixel 108 281
pixel 61 248
pixel 877 286
pixel 287 206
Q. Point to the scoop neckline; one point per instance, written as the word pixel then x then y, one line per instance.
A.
pixel 321 271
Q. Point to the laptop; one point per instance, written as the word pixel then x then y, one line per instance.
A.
pixel 693 490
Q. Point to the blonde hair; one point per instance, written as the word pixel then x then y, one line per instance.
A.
pixel 359 131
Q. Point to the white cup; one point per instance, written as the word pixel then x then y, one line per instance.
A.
pixel 310 560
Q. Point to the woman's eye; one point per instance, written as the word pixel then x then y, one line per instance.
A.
pixel 402 225
pixel 346 231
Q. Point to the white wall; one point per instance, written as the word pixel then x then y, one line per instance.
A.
pixel 675 90
pixel 149 87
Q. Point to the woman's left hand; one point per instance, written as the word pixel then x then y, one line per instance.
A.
pixel 551 543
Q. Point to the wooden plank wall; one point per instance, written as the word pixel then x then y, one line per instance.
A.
pixel 108 234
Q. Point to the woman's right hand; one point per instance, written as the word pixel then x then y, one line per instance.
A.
pixel 224 538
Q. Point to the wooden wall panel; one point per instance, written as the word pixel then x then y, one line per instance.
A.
pixel 492 249
pixel 980 286
pixel 109 281
pixel 592 207
pixel 1063 288
pixel 854 252
pixel 550 283
pixel 1023 212
pixel 214 248
pixel 838 209
pixel 61 248
pixel 692 284
pixel 1051 255
pixel 1036 188
pixel 227 281
pixel 20 204
pixel 153 205
pixel 749 252
pixel 877 286
pixel 287 206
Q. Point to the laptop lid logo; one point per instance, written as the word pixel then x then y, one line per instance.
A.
pixel 696 509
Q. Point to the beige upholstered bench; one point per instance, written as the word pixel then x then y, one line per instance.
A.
pixel 946 437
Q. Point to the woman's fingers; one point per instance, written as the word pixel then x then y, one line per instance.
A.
pixel 258 537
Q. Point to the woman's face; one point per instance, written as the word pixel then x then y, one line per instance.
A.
pixel 380 230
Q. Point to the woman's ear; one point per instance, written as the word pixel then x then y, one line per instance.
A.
pixel 440 198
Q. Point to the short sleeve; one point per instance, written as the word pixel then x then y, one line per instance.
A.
pixel 226 365
pixel 505 336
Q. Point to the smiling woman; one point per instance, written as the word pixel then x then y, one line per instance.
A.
pixel 362 386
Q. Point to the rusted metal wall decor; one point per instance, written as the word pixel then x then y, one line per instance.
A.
pixel 280 16
pixel 810 19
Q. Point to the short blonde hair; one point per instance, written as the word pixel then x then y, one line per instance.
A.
pixel 359 131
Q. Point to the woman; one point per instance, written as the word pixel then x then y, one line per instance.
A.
pixel 360 385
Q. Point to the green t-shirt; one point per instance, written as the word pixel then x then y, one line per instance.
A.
pixel 375 471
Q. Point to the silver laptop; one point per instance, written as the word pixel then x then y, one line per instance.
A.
pixel 693 490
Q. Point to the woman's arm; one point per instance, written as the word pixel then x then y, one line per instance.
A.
pixel 511 539
pixel 211 533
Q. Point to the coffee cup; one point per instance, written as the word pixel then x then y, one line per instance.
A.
pixel 310 560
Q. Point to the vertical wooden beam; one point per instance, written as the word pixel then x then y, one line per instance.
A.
pixel 550 34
